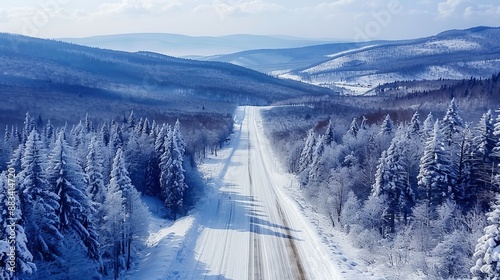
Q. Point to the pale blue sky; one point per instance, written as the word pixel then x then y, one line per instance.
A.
pixel 338 19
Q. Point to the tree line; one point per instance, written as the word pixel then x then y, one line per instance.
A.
pixel 415 195
pixel 78 210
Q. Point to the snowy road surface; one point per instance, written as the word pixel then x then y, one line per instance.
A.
pixel 248 228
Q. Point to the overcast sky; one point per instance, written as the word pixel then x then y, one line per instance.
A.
pixel 337 19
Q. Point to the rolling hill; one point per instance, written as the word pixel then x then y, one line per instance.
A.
pixel 57 71
pixel 358 67
pixel 182 45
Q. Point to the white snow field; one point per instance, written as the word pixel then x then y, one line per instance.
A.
pixel 251 226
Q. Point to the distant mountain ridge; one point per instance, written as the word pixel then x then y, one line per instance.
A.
pixel 453 54
pixel 38 69
pixel 183 45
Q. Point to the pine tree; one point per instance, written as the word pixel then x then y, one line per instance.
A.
pixel 487 259
pixel 387 126
pixel 88 124
pixel 452 124
pixel 364 123
pixel 181 144
pixel 315 171
pixel 415 124
pixel 94 172
pixel 146 127
pixel 11 220
pixel 495 153
pixel 152 174
pixel 39 202
pixel 479 164
pixel 131 120
pixel 428 126
pixel 105 134
pixel 434 178
pixel 392 183
pixel 49 132
pixel 353 128
pixel 29 125
pixel 74 211
pixel 116 137
pixel 306 156
pixel 125 217
pixel 172 178
pixel 329 133
pixel 485 140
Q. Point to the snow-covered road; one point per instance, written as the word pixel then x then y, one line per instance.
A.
pixel 249 228
pixel 253 231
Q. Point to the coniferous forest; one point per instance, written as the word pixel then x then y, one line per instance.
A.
pixel 78 191
pixel 419 195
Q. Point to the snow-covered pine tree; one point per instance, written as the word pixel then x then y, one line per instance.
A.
pixel 452 124
pixel 306 156
pixel 131 122
pixel 329 133
pixel 11 219
pixel 486 256
pixel 172 178
pixel 105 134
pixel 353 128
pixel 392 183
pixel 484 139
pixel 181 144
pixel 495 153
pixel 126 217
pixel 49 132
pixel 94 172
pixel 146 127
pixel 387 127
pixel 139 126
pixel 39 202
pixel 152 174
pixel 434 178
pixel 364 123
pixel 116 137
pixel 316 172
pixel 428 126
pixel 74 211
pixel 77 135
pixel 415 124
pixel 88 124
pixel 29 124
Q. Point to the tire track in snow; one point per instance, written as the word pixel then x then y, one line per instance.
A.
pixel 291 248
pixel 291 242
pixel 255 260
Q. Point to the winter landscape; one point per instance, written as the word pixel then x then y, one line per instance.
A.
pixel 166 140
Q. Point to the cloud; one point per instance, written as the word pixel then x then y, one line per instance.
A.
pixel 481 11
pixel 225 8
pixel 138 7
pixel 448 8
pixel 335 4
pixel 4 15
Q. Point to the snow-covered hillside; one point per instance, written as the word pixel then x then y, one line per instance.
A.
pixel 358 67
pixel 253 225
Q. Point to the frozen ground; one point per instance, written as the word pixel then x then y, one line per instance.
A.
pixel 253 224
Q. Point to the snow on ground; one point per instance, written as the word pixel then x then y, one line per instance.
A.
pixel 350 51
pixel 253 224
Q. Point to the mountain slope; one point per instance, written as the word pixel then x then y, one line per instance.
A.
pixel 282 60
pixel 454 54
pixel 182 45
pixel 61 70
